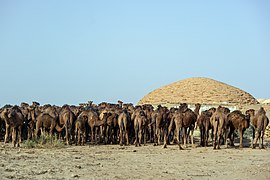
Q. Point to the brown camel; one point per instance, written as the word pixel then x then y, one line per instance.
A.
pixel 124 124
pixel 67 119
pixel 148 110
pixel 203 122
pixel 80 129
pixel 259 122
pixel 237 121
pixel 93 121
pixel 45 121
pixel 184 118
pixel 159 117
pixel 140 125
pixel 111 130
pixel 13 120
pixel 34 112
pixel 219 122
pixel 194 125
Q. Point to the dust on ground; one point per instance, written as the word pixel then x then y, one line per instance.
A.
pixel 129 162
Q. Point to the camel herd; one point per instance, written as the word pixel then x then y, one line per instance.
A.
pixel 128 124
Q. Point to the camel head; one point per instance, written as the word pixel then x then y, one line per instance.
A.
pixel 261 111
pixel 250 112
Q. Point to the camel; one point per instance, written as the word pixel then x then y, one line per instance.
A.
pixel 34 112
pixel 124 124
pixel 159 117
pixel 140 125
pixel 106 126
pixel 237 120
pixel 219 122
pixel 203 122
pixel 45 121
pixel 169 127
pixel 14 120
pixel 148 110
pixel 259 122
pixel 93 121
pixel 67 119
pixel 194 125
pixel 111 127
pixel 189 120
pixel 80 130
pixel 184 118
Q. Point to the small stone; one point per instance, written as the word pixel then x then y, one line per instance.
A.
pixel 74 175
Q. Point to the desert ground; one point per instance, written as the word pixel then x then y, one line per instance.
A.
pixel 130 162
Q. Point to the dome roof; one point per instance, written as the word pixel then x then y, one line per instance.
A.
pixel 198 90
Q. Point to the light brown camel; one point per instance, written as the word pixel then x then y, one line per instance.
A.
pixel 140 125
pixel 45 121
pixel 67 119
pixel 259 122
pixel 124 124
pixel 80 129
pixel 184 118
pixel 14 120
pixel 203 122
pixel 240 122
pixel 219 122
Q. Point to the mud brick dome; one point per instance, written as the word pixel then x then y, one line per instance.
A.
pixel 198 90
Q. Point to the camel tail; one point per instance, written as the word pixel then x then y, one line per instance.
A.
pixel 58 128
pixel 136 127
pixel 261 127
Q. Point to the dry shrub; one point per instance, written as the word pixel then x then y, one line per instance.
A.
pixel 44 141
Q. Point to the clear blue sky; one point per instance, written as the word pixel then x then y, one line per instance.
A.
pixel 72 51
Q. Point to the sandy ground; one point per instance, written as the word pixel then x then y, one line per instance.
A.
pixel 129 162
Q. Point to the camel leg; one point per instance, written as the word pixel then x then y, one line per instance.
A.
pixel 158 135
pixel 96 135
pixel 42 132
pixel 107 134
pixel 121 137
pixel 253 138
pixel 76 136
pixel 28 133
pixel 150 133
pixel 206 134
pixel 231 137
pixel 215 138
pixel 170 130
pixel 258 134
pixel 262 146
pixel 19 139
pixel 101 138
pixel 127 141
pixel 201 136
pixel 144 134
pixel 36 133
pixel 66 137
pixel 79 137
pixel 83 137
pixel 241 138
pixel 136 129
pixel 178 138
pixel 184 136
pixel 225 138
pixel 92 134
pixel 7 133
pixel 218 139
pixel 191 136
pixel 14 136
pixel 165 141
pixel 140 137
